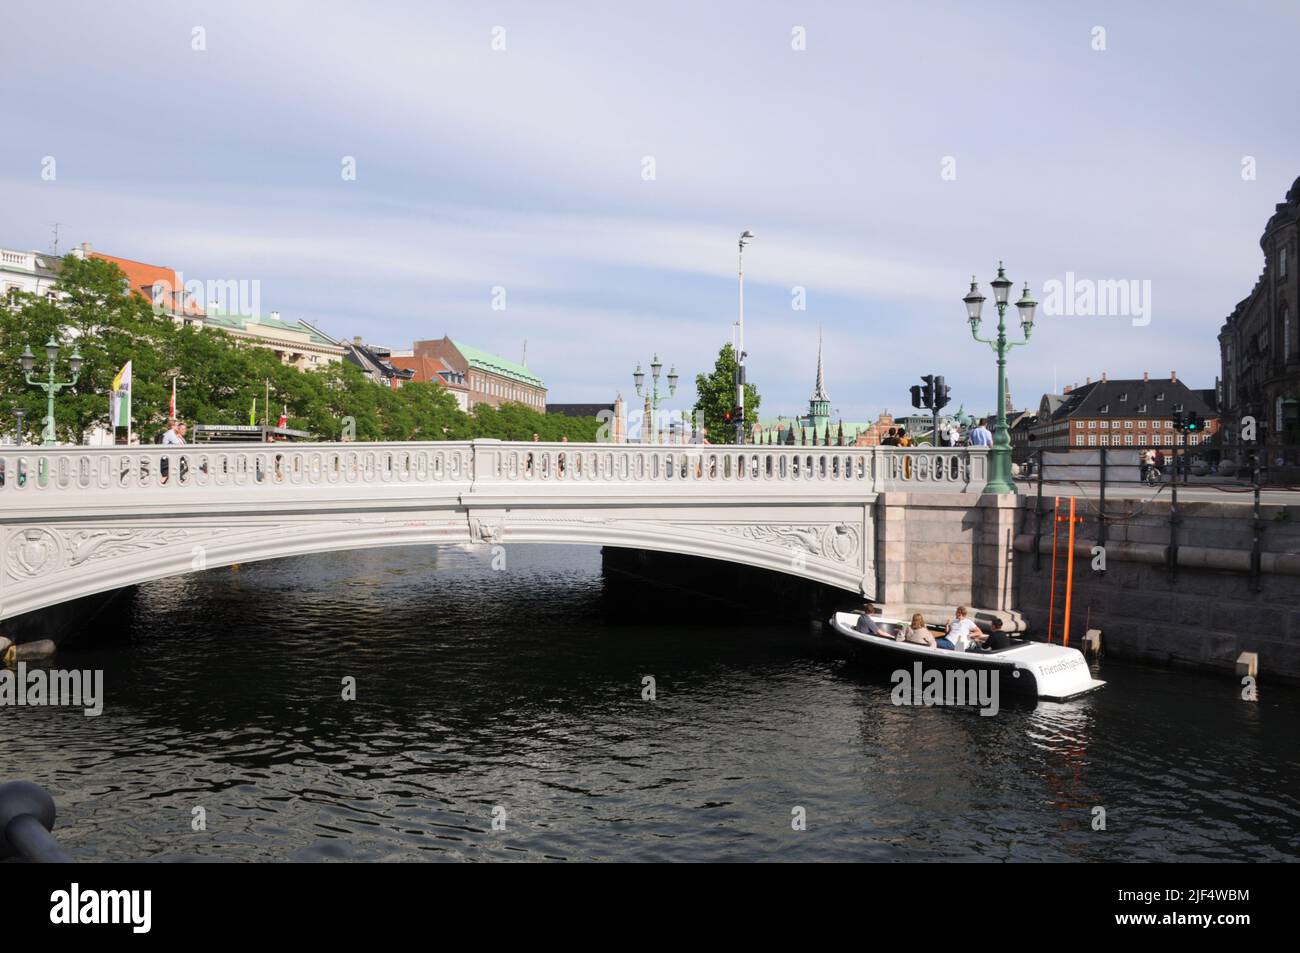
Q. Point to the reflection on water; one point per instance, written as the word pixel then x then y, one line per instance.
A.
pixel 521 690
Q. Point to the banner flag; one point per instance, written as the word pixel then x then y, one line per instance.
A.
pixel 119 398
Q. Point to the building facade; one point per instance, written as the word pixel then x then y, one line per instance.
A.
pixel 376 363
pixel 1119 413
pixel 296 343
pixel 157 284
pixel 1259 344
pixel 30 272
pixel 490 379
pixel 433 371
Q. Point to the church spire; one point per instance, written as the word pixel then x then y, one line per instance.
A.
pixel 819 392
pixel 819 404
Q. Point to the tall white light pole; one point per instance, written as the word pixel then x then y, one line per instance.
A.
pixel 745 237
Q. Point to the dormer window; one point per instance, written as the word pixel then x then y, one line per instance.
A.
pixel 1142 409
pixel 1123 397
pixel 1160 396
pixel 1178 408
pixel 1105 409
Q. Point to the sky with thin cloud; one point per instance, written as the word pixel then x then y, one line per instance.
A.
pixel 903 148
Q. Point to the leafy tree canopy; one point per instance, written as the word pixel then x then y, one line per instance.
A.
pixel 716 398
pixel 217 375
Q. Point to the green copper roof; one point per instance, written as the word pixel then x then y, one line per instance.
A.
pixel 242 321
pixel 484 361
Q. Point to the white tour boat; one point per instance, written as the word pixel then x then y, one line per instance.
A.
pixel 1043 669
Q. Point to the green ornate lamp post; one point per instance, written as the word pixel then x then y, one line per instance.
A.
pixel 50 386
pixel 1000 479
pixel 652 398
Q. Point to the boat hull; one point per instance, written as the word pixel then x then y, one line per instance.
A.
pixel 1037 669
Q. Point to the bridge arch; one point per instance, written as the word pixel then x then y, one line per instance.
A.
pixel 78 521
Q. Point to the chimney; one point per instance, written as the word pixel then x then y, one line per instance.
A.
pixel 356 339
pixel 1068 388
pixel 1146 376
pixel 1173 376
pixel 275 315
pixel 1103 377
pixel 1087 380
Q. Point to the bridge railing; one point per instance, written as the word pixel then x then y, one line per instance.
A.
pixel 263 467
pixel 879 468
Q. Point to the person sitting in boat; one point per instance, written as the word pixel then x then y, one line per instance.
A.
pixel 996 639
pixel 960 630
pixel 917 633
pixel 865 623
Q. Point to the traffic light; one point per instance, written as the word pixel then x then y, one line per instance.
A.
pixel 1194 423
pixel 927 392
pixel 941 392
pixel 916 395
pixel 1177 420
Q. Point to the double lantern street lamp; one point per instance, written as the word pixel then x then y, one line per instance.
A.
pixel 50 386
pixel 1000 478
pixel 652 398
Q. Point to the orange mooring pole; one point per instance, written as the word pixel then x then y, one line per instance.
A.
pixel 1051 605
pixel 1069 578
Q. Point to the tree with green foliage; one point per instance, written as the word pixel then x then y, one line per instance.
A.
pixel 716 398
pixel 217 375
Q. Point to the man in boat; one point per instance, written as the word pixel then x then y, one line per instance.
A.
pixel 960 631
pixel 865 623
pixel 996 638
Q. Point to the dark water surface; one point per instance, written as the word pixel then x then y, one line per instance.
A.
pixel 521 690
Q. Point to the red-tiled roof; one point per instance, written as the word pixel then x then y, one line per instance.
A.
pixel 144 277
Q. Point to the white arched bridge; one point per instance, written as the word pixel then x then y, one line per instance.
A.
pixel 75 521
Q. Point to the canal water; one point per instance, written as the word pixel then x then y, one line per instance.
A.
pixel 515 692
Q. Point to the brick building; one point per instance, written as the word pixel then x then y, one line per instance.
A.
pixel 430 369
pixel 1120 413
pixel 491 379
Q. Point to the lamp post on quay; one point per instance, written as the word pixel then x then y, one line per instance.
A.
pixel 50 386
pixel 652 398
pixel 745 238
pixel 1000 478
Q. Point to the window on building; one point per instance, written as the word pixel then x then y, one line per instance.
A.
pixel 1078 440
pixel 1281 262
pixel 1128 440
pixel 1128 425
pixel 1092 425
pixel 1104 440
pixel 1092 440
pixel 1142 425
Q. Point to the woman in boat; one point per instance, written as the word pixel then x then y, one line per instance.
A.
pixel 917 633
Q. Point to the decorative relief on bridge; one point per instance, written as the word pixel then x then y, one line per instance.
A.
pixel 486 531
pixel 86 545
pixel 838 542
pixel 34 551
pixel 31 552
